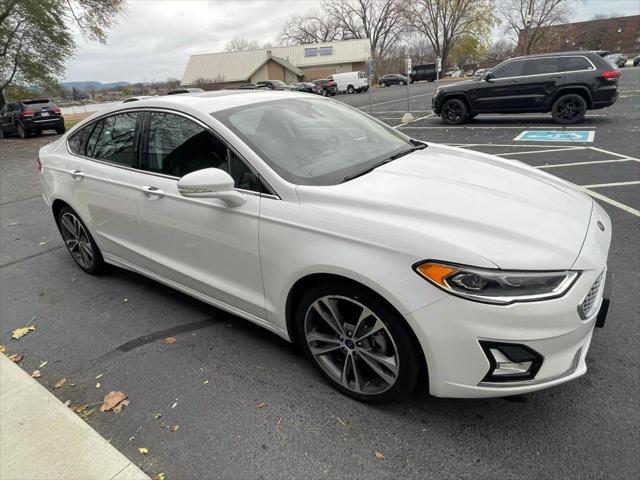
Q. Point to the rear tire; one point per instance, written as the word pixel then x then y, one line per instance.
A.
pixel 79 242
pixel 454 112
pixel 568 109
pixel 1 134
pixel 22 132
pixel 374 358
pixel 61 130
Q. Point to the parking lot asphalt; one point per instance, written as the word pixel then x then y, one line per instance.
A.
pixel 221 369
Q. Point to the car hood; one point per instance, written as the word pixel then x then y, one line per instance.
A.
pixel 452 199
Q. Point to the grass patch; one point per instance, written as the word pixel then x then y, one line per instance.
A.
pixel 72 118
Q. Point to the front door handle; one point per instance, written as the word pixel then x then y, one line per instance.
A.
pixel 77 174
pixel 152 192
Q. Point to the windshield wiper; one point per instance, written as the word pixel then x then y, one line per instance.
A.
pixel 395 156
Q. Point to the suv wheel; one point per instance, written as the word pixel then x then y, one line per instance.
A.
pixel 79 241
pixel 454 112
pixel 22 132
pixel 401 83
pixel 361 346
pixel 570 108
pixel 350 89
pixel 1 133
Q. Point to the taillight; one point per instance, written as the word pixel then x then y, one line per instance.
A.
pixel 27 113
pixel 55 110
pixel 39 164
pixel 611 74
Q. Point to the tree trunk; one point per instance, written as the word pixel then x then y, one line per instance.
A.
pixel 2 99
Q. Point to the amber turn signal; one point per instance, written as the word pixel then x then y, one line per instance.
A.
pixel 436 272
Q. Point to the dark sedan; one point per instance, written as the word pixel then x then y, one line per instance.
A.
pixel 392 79
pixel 309 87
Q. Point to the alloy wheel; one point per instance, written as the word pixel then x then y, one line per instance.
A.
pixel 351 345
pixel 453 112
pixel 77 240
pixel 569 109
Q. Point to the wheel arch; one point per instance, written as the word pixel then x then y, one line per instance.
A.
pixel 298 289
pixel 56 206
pixel 577 89
pixel 460 96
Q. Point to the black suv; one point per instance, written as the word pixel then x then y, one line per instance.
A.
pixel 392 79
pixel 329 87
pixel 567 84
pixel 423 72
pixel 30 116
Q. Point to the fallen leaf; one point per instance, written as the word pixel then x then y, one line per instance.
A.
pixel 60 383
pixel 174 428
pixel 80 408
pixel 341 422
pixel 131 438
pixel 170 340
pixel 261 405
pixel 98 385
pixel 18 333
pixel 112 399
pixel 143 450
pixel 118 408
pixel 160 476
pixel 99 376
pixel 125 300
pixel 157 416
pixel 378 455
pixel 42 244
pixel 35 374
pixel 16 357
pixel 43 364
pixel 3 349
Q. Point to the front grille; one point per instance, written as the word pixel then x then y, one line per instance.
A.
pixel 588 305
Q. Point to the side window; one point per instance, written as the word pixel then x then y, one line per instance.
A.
pixel 511 69
pixel 78 141
pixel 242 175
pixel 114 140
pixel 178 146
pixel 572 64
pixel 540 66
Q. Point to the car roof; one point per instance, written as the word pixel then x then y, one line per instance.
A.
pixel 213 101
pixel 555 54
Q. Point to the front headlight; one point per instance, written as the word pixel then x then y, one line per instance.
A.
pixel 496 286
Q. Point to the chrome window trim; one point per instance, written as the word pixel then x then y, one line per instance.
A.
pixel 273 194
pixel 551 73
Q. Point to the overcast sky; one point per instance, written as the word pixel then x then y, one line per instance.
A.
pixel 154 39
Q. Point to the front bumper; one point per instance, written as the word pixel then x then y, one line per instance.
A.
pixel 453 330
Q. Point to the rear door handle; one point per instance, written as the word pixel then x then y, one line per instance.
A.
pixel 77 174
pixel 152 192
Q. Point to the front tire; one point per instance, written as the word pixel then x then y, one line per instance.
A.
pixel 350 89
pixel 360 344
pixel 568 109
pixel 454 112
pixel 401 83
pixel 79 242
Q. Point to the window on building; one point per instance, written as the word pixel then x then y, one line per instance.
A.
pixel 310 52
pixel 326 50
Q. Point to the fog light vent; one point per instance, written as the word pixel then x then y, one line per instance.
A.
pixel 588 306
pixel 510 362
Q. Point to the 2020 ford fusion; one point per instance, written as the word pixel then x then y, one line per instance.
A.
pixel 390 260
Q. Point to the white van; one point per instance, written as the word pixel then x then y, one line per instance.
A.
pixel 351 82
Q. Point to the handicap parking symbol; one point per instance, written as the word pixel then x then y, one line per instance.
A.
pixel 557 136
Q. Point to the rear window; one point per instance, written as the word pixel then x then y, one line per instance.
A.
pixel 35 102
pixel 569 64
pixel 78 141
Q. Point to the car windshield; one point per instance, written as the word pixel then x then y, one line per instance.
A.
pixel 311 141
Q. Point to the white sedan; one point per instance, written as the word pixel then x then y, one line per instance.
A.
pixel 393 262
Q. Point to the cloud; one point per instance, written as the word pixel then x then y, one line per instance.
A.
pixel 154 39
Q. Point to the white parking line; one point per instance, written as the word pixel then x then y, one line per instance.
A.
pixel 561 149
pixel 415 120
pixel 615 184
pixel 613 153
pixel 610 201
pixel 587 163
pixel 500 127
pixel 551 148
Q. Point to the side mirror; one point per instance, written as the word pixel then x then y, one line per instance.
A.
pixel 210 183
pixel 489 76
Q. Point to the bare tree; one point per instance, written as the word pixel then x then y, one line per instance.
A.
pixel 239 44
pixel 442 22
pixel 527 20
pixel 500 50
pixel 312 27
pixel 381 21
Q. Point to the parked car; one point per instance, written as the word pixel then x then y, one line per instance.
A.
pixel 249 86
pixel 617 59
pixel 392 79
pixel 179 91
pixel 329 87
pixel 426 72
pixel 480 72
pixel 136 98
pixel 457 74
pixel 309 87
pixel 383 256
pixel 28 117
pixel 566 84
pixel 636 61
pixel 275 85
pixel 350 82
